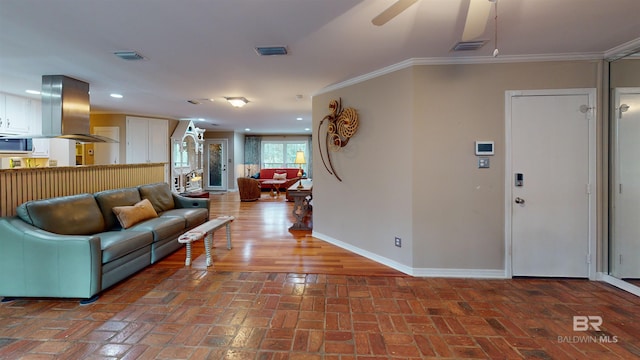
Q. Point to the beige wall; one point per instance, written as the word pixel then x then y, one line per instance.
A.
pixel 411 170
pixel 373 203
pixel 625 73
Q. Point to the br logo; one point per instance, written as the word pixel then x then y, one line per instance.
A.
pixel 583 323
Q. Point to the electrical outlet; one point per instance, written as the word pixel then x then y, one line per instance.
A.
pixel 398 242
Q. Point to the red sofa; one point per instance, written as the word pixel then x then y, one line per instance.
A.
pixel 267 174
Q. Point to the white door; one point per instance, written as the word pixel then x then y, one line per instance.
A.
pixel 158 141
pixel 137 136
pixel 550 177
pixel 216 153
pixel 106 153
pixel 626 239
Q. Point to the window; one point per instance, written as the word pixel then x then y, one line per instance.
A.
pixel 282 154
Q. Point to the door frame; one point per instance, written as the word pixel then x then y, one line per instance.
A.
pixel 615 115
pixel 225 175
pixel 592 187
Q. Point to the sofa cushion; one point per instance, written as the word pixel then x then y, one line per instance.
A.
pixel 280 176
pixel 66 215
pixel 161 227
pixel 269 173
pixel 131 215
pixel 115 244
pixel 109 199
pixel 192 216
pixel 159 194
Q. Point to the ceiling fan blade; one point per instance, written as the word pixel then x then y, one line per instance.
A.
pixel 477 17
pixel 392 11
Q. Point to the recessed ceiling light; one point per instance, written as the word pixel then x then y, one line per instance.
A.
pixel 247 129
pixel 298 118
pixel 117 96
pixel 33 92
pixel 307 129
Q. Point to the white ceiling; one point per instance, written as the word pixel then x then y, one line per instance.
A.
pixel 201 49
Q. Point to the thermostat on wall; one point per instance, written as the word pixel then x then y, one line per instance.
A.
pixel 484 147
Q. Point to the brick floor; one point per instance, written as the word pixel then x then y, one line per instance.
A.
pixel 198 314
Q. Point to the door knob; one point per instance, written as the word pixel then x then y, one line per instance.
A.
pixel 519 200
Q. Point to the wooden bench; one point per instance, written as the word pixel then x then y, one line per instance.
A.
pixel 206 231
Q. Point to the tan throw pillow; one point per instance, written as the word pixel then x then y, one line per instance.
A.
pixel 131 215
pixel 282 176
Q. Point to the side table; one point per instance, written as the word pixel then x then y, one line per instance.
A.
pixel 301 203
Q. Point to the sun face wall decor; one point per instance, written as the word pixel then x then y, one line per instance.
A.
pixel 341 126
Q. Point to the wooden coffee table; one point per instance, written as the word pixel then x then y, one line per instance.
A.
pixel 275 186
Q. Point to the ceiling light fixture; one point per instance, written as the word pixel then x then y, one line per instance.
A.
pixel 237 101
pixel 299 118
pixel 117 96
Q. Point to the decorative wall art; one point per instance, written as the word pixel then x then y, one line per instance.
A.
pixel 341 126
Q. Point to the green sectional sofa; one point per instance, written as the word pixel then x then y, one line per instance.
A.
pixel 75 246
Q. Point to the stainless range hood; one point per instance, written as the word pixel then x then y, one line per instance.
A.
pixel 65 109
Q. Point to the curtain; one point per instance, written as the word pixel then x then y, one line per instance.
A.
pixel 252 156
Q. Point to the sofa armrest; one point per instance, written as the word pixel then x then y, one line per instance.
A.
pixel 182 202
pixel 38 263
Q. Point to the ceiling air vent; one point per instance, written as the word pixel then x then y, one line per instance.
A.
pixel 469 45
pixel 128 55
pixel 271 50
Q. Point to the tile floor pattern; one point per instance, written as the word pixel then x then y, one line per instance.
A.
pixel 198 314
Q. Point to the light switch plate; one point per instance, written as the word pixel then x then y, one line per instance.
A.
pixel 483 163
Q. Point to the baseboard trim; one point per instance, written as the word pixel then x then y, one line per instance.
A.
pixel 461 273
pixel 621 284
pixel 368 254
pixel 418 272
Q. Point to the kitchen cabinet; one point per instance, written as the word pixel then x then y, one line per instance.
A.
pixel 41 147
pixel 147 140
pixel 62 152
pixel 14 112
pixel 34 116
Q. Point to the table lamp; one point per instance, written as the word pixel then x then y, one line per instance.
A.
pixel 300 161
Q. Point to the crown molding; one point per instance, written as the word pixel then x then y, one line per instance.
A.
pixel 502 59
pixel 623 50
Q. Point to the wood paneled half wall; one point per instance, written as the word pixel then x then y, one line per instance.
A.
pixel 20 185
